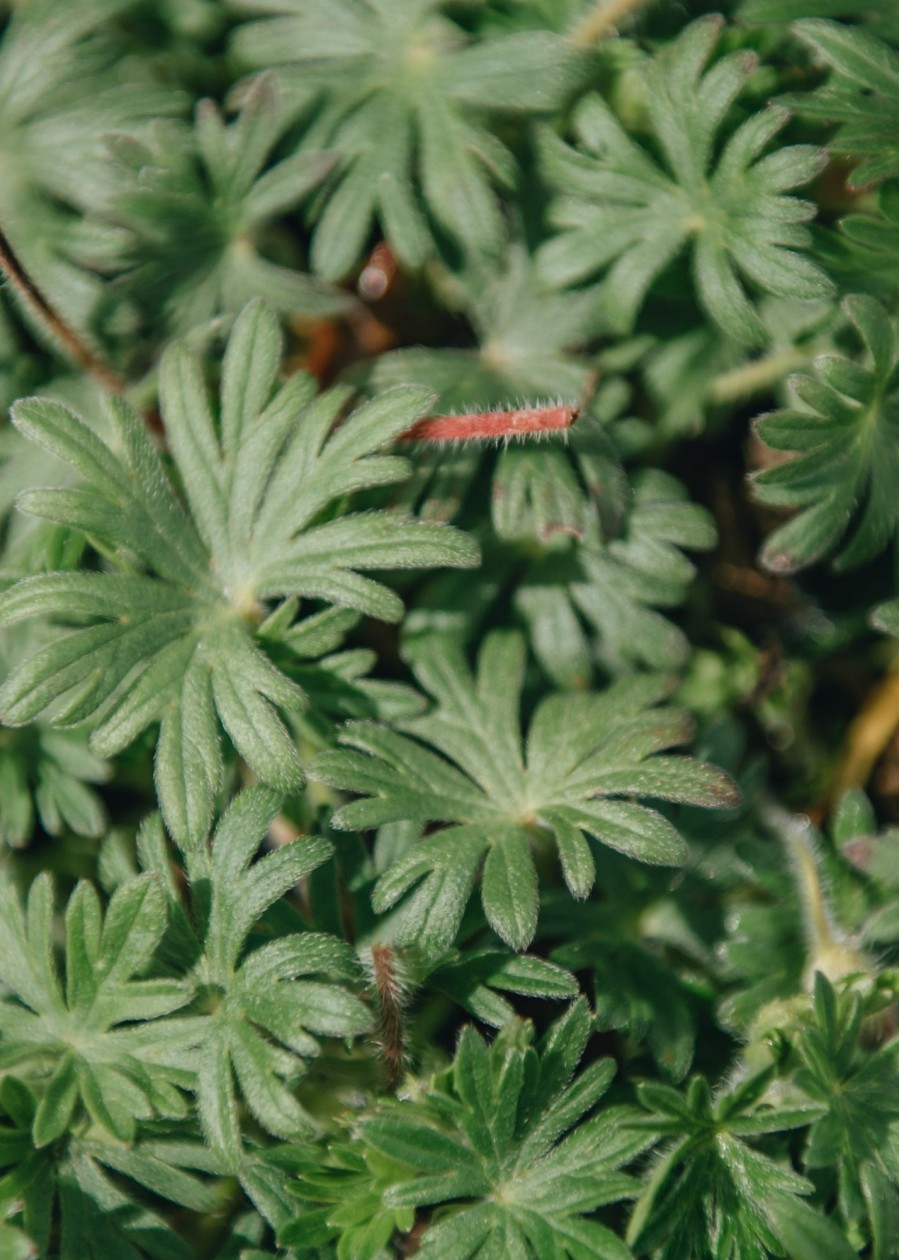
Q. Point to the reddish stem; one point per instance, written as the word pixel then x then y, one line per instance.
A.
pixel 390 1014
pixel 487 425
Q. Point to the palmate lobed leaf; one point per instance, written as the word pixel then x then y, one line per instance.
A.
pixel 184 229
pixel 500 1141
pixel 503 794
pixel 846 460
pixel 62 89
pixel 710 1191
pixel 402 95
pixel 46 776
pixel 511 1161
pixel 55 117
pixel 635 992
pixel 74 1041
pixel 855 1086
pixel 477 979
pixel 173 639
pixel 527 334
pixel 504 1113
pixel 620 588
pixel 82 1189
pixel 343 1194
pixel 862 96
pixel 627 216
pixel 593 555
pixel 264 1007
pixel 225 1020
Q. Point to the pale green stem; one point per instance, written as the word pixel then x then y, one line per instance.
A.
pixel 827 949
pixel 755 377
pixel 602 18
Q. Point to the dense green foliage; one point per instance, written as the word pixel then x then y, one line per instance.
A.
pixel 449 774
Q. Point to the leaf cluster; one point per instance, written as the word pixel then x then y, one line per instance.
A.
pixel 448 807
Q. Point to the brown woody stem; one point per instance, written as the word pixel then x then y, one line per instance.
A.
pixel 69 341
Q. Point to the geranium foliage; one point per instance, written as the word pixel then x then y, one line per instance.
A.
pixel 449 605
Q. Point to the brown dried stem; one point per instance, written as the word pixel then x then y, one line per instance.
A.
pixel 62 334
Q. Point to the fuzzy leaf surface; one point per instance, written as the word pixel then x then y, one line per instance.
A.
pixel 503 793
pixel 402 95
pixel 197 560
pixel 505 1140
pixel 708 1159
pixel 862 96
pixel 102 1040
pixel 266 1005
pixel 185 229
pixel 626 215
pixel 845 442
pixel 82 1188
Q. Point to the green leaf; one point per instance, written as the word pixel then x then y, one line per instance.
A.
pixel 271 1001
pixel 854 1087
pixel 527 335
pixel 594 559
pixel 509 889
pixel 845 456
pixel 477 978
pixel 505 795
pixel 83 1189
pixel 403 96
pixel 54 121
pixel 626 215
pixel 46 776
pixel 882 1200
pixel 177 643
pixel 707 1182
pixel 185 228
pixel 81 1045
pixel 862 97
pixel 486 1139
pixel 54 1114
pixel 806 1234
pixel 637 987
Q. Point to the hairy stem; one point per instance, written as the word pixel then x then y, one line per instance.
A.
pixel 819 927
pixel 490 425
pixel 827 949
pixel 390 1031
pixel 61 333
pixel 601 19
